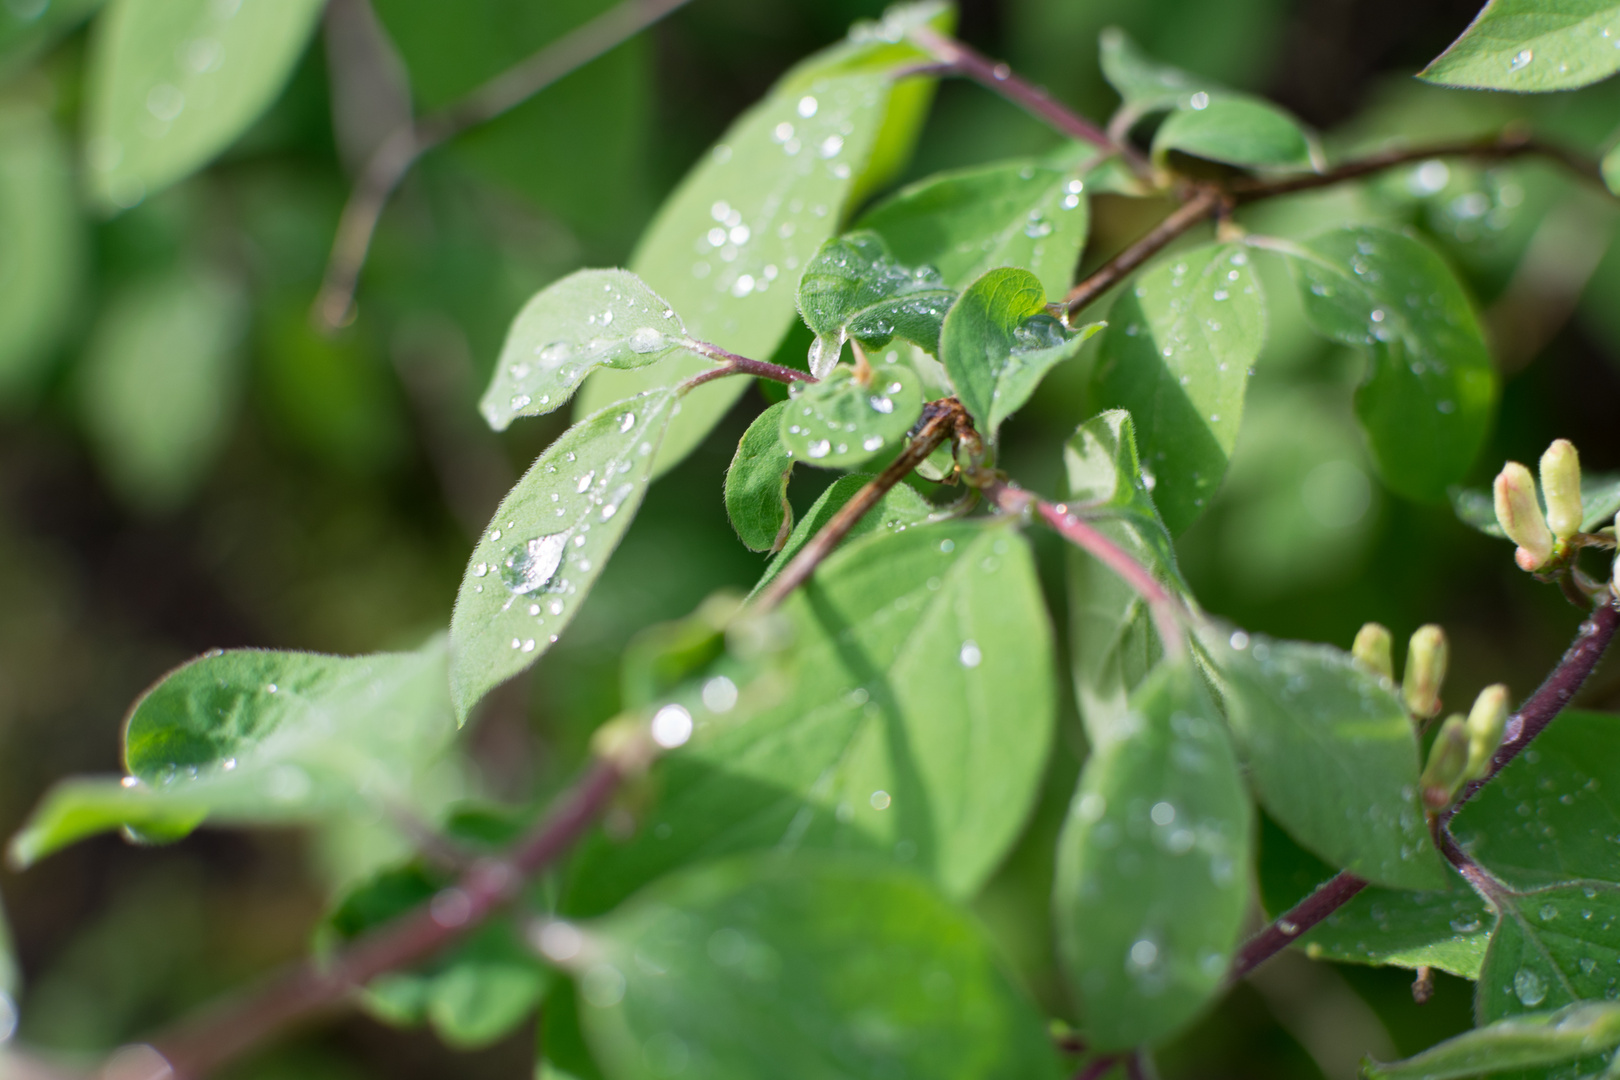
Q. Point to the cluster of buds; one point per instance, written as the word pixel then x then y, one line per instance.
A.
pixel 1543 538
pixel 1464 748
pixel 1427 656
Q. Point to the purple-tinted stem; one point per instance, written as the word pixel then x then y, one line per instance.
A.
pixel 1329 897
pixel 732 364
pixel 1098 1068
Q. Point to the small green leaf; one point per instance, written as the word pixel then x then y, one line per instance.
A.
pixel 1532 46
pixel 757 482
pixel 548 542
pixel 159 383
pixel 172 83
pixel 1524 1042
pixel 258 737
pixel 803 969
pixel 968 222
pixel 28 29
pixel 910 717
pixel 854 288
pixel 41 245
pixel 999 342
pixel 590 319
pixel 1177 354
pixel 1476 508
pixel 843 420
pixel 478 1001
pixel 1333 755
pixel 1237 130
pixel 900 508
pixel 1153 864
pixel 1144 84
pixel 1430 389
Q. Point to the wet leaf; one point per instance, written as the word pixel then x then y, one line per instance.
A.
pixel 1145 84
pixel 910 717
pixel 40 246
pixel 1430 390
pixel 548 542
pixel 999 342
pixel 1332 754
pixel 1152 876
pixel 1237 130
pixel 159 383
pixel 590 319
pixel 28 29
pixel 966 223
pixel 756 484
pixel 1177 353
pixel 257 737
pixel 174 82
pixel 854 288
pixel 1532 46
pixel 802 968
pixel 1524 1042
pixel 900 508
pixel 844 419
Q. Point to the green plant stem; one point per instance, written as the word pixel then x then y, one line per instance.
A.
pixel 227 1031
pixel 397 153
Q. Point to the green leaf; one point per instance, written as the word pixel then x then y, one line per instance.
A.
pixel 844 420
pixel 900 508
pixel 910 717
pixel 800 968
pixel 968 222
pixel 1524 1042
pixel 1237 130
pixel 1476 508
pixel 854 288
pixel 40 246
pixel 254 737
pixel 10 977
pixel 1430 390
pixel 159 383
pixel 1152 875
pixel 1332 754
pixel 548 542
pixel 757 482
pixel 1177 354
pixel 171 83
pixel 1144 84
pixel 1532 46
pixel 28 29
pixel 999 342
pixel 1445 928
pixel 590 319
pixel 1611 169
pixel 776 186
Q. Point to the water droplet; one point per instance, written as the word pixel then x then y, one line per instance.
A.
pixel 1144 954
pixel 719 694
pixel 671 726
pixel 626 422
pixel 1529 987
pixel 646 340
pixel 532 565
pixel 1520 59
pixel 880 800
pixel 831 145
pixel 1162 813
pixel 820 448
pixel 970 655
pixel 872 443
pixel 1199 101
pixel 807 106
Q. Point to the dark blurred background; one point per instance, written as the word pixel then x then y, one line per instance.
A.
pixel 328 493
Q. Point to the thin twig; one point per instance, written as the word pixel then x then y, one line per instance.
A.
pixel 229 1030
pixel 1098 1068
pixel 1203 204
pixel 940 420
pixel 400 150
pixel 732 364
pixel 1329 897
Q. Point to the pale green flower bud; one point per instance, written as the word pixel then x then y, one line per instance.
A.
pixel 1374 648
pixel 1486 722
pixel 1520 516
pixel 1447 768
pixel 1426 659
pixel 1561 487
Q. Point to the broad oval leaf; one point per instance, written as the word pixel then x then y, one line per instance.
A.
pixel 999 341
pixel 28 29
pixel 900 508
pixel 910 718
pixel 1237 130
pixel 1332 754
pixel 1177 354
pixel 590 319
pixel 1430 389
pixel 1533 46
pixel 757 481
pixel 1532 1041
pixel 255 737
pixel 1153 865
pixel 843 420
pixel 802 969
pixel 1145 84
pixel 965 223
pixel 171 83
pixel 854 288
pixel 40 246
pixel 548 542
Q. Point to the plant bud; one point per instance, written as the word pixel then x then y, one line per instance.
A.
pixel 1486 722
pixel 1426 658
pixel 1374 648
pixel 1520 516
pixel 1561 487
pixel 1448 764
